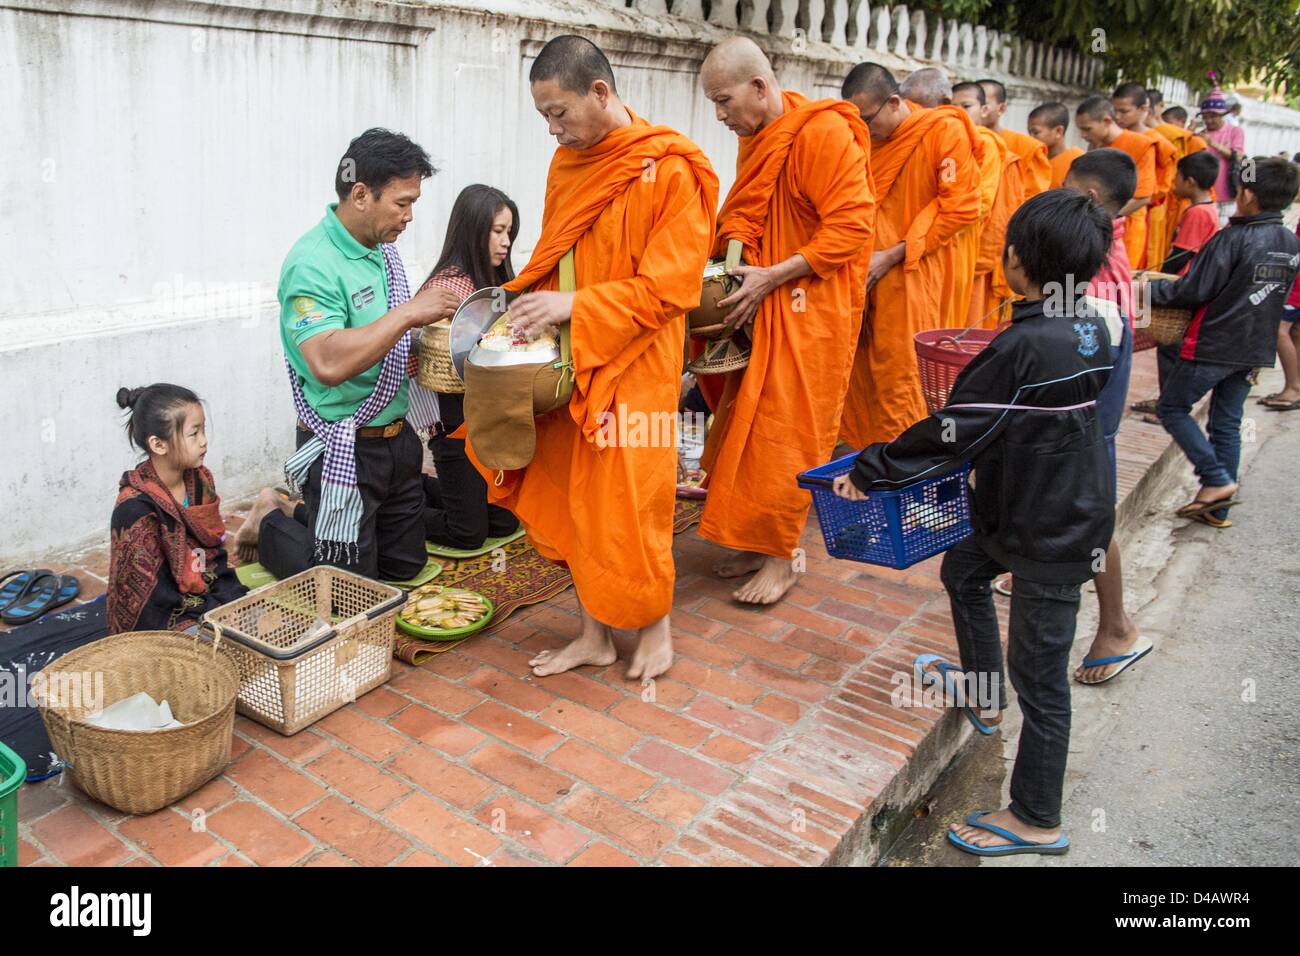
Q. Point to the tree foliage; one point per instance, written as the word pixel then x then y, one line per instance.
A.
pixel 1240 40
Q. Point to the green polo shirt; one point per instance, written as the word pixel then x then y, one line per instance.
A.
pixel 331 281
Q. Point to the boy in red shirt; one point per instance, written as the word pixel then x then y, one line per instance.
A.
pixel 1200 220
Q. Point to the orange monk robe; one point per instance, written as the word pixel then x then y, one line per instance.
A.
pixel 992 159
pixel 1166 164
pixel 927 188
pixel 991 290
pixel 802 186
pixel 966 244
pixel 1035 167
pixel 589 498
pixel 1061 164
pixel 1143 150
pixel 1185 143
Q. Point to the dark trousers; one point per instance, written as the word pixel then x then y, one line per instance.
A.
pixel 1039 637
pixel 457 513
pixel 1216 455
pixel 390 540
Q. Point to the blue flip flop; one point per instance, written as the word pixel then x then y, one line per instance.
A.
pixel 1018 844
pixel 17 583
pixel 44 594
pixel 947 668
pixel 1145 647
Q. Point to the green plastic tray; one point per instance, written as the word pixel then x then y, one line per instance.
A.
pixel 12 773
pixel 452 633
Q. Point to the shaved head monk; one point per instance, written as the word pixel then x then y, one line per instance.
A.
pixel 1132 112
pixel 1048 123
pixel 640 244
pixel 926 176
pixel 803 207
pixel 1035 169
pixel 928 87
pixel 1095 118
pixel 1001 192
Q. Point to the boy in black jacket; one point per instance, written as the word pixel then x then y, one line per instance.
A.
pixel 1236 287
pixel 1024 414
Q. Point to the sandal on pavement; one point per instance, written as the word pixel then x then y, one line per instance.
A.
pixel 946 668
pixel 1018 843
pixel 1196 508
pixel 1141 649
pixel 1212 521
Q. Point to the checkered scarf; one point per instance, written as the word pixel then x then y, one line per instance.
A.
pixel 338 519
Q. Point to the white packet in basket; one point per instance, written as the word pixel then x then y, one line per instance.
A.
pixel 137 712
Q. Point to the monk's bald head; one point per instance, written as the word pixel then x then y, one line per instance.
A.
pixel 1095 118
pixel 928 87
pixel 874 91
pixel 738 78
pixel 573 88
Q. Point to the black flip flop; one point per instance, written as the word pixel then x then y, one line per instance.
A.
pixel 15 584
pixel 1274 406
pixel 44 594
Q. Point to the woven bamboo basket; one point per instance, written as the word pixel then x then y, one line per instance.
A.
pixel 435 370
pixel 729 353
pixel 140 771
pixel 1164 326
pixel 287 682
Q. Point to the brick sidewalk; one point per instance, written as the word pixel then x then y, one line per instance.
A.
pixel 771 741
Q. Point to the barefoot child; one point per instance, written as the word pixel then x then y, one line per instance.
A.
pixel 1236 287
pixel 168 565
pixel 1024 414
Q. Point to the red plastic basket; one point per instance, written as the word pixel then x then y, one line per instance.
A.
pixel 941 354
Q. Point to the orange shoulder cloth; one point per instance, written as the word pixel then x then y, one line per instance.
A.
pixel 581 183
pixel 762 158
pixel 891 155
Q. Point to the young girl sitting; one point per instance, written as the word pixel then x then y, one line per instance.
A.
pixel 167 564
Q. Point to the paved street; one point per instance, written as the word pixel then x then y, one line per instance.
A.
pixel 1189 758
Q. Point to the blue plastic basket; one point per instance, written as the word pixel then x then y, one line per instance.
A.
pixel 895 529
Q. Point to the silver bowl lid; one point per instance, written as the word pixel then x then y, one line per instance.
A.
pixel 474 317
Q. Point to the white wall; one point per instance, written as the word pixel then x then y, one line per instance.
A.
pixel 162 155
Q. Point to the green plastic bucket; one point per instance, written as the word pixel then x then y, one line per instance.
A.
pixel 12 772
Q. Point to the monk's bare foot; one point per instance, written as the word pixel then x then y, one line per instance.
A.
pixel 738 563
pixel 595 645
pixel 774 578
pixel 1007 821
pixel 654 651
pixel 246 538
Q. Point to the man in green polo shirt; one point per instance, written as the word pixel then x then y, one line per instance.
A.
pixel 339 334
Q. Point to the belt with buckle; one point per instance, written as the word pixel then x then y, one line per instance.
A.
pixel 391 430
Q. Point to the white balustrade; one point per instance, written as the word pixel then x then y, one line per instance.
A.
pixel 838 16
pixel 902 26
pixel 858 24
pixel 816 16
pixel 919 31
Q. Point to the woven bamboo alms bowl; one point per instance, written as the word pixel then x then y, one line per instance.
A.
pixel 140 771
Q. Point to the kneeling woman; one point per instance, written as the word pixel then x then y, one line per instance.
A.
pixel 476 254
pixel 168 564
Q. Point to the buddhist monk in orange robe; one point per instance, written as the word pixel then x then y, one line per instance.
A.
pixel 636 204
pixel 802 206
pixel 1001 193
pixel 1185 143
pixel 1035 168
pixel 1096 121
pixel 927 187
pixel 1048 123
pixel 1132 110
pixel 929 87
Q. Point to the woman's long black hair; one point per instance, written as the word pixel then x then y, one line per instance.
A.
pixel 468 229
